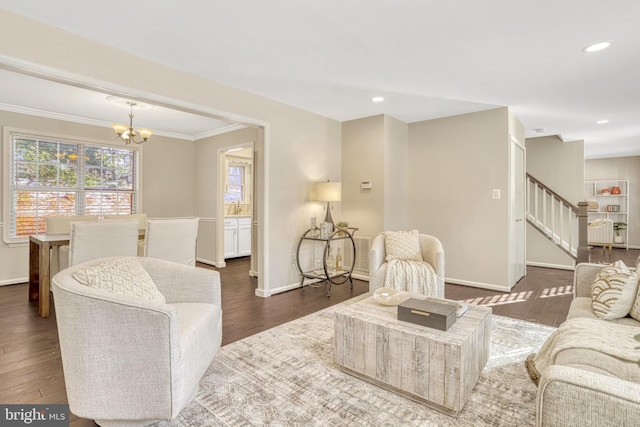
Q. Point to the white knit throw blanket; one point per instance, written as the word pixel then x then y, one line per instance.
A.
pixel 592 334
pixel 412 276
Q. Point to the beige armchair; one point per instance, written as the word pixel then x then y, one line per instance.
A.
pixel 432 253
pixel 129 361
pixel 600 233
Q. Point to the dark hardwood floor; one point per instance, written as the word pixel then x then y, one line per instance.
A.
pixel 31 369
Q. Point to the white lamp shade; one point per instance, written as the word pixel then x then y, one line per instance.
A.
pixel 120 129
pixel 145 133
pixel 327 191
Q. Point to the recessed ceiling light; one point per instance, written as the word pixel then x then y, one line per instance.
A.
pixel 602 122
pixel 595 47
pixel 539 130
pixel 377 99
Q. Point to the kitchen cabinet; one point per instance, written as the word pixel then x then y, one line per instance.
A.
pixel 237 237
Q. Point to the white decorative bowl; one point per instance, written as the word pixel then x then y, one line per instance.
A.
pixel 388 296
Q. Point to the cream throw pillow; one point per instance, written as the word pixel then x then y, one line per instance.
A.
pixel 402 245
pixel 124 276
pixel 614 291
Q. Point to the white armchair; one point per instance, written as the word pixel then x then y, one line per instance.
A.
pixel 600 233
pixel 432 253
pixel 129 361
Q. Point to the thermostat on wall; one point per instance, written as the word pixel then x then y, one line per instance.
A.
pixel 366 185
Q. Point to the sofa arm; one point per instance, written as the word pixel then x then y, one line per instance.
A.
pixel 583 277
pixel 574 397
pixel 377 253
pixel 184 283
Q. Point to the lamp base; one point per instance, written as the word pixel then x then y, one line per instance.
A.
pixel 327 217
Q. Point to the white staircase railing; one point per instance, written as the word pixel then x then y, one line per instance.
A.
pixel 560 221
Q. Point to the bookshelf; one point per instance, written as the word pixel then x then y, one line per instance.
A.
pixel 610 199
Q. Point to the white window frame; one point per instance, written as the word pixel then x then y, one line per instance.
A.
pixel 9 132
pixel 246 177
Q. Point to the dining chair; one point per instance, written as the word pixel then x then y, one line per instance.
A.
pixel 60 224
pixel 172 239
pixel 142 225
pixel 92 240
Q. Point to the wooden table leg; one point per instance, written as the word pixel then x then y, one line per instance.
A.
pixel 44 302
pixel 34 270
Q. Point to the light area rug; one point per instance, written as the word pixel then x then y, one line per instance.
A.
pixel 286 376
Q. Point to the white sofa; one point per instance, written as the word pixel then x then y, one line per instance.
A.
pixel 129 361
pixel 584 387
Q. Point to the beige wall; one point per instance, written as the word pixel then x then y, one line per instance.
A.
pixel 557 164
pixel 454 164
pixel 560 166
pixel 363 149
pixel 300 148
pixel 621 168
pixel 168 194
pixel 375 149
pixel 396 180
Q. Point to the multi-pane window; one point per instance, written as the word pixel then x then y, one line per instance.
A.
pixel 235 184
pixel 54 177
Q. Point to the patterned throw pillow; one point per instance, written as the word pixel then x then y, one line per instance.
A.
pixel 614 291
pixel 124 276
pixel 403 245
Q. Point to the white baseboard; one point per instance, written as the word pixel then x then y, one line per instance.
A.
pixel 15 281
pixel 360 277
pixel 548 265
pixel 209 262
pixel 206 261
pixel 481 285
pixel 253 273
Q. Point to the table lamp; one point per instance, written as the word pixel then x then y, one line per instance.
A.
pixel 328 192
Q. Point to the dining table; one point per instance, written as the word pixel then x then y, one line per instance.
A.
pixel 40 246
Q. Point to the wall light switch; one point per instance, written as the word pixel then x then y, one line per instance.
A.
pixel 366 185
pixel 496 193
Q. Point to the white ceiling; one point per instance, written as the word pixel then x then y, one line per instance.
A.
pixel 428 58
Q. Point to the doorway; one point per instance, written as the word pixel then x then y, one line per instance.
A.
pixel 517 225
pixel 236 203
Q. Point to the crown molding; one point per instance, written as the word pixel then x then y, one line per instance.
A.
pixel 101 123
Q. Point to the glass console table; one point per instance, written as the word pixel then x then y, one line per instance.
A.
pixel 325 271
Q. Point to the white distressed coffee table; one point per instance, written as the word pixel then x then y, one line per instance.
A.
pixel 433 367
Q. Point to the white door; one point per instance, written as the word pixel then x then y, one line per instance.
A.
pixel 517 226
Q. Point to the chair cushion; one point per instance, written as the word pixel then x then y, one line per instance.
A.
pixel 124 276
pixel 402 245
pixel 614 291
